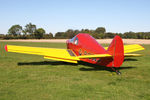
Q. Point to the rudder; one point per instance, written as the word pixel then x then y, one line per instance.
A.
pixel 116 49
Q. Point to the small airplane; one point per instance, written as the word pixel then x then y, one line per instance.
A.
pixel 83 47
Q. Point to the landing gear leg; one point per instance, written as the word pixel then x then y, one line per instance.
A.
pixel 117 71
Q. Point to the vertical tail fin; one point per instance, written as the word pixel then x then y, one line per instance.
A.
pixel 116 49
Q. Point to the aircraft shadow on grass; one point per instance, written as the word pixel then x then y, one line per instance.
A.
pixel 92 67
pixel 130 59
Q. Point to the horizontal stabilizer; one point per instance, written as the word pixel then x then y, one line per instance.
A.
pixel 131 48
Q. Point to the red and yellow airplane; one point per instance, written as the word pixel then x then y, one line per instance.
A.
pixel 84 47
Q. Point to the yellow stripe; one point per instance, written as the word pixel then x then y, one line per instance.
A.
pixel 95 56
pixel 132 55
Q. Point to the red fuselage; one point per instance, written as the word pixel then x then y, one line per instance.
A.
pixel 84 44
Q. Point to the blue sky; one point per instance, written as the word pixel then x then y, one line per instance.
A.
pixel 60 15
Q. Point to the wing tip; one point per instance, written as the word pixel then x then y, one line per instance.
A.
pixel 142 47
pixel 6 48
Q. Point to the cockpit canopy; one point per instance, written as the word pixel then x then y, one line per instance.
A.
pixel 74 40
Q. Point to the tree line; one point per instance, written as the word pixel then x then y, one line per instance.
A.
pixel 30 31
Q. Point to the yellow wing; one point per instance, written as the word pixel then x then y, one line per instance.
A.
pixel 49 53
pixel 65 55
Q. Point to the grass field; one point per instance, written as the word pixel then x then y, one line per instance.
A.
pixel 31 77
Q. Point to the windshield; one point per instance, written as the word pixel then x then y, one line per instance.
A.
pixel 72 40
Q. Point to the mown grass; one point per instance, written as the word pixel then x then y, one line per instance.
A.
pixel 25 77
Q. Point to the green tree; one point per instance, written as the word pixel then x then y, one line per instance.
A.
pixel 96 35
pixel 39 33
pixel 15 30
pixel 120 34
pixel 99 33
pixel 60 35
pixel 30 29
pixel 130 35
pixel 76 32
pixel 2 36
pixel 69 33
pixel 100 30
pixel 85 31
pixel 48 36
pixel 109 35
